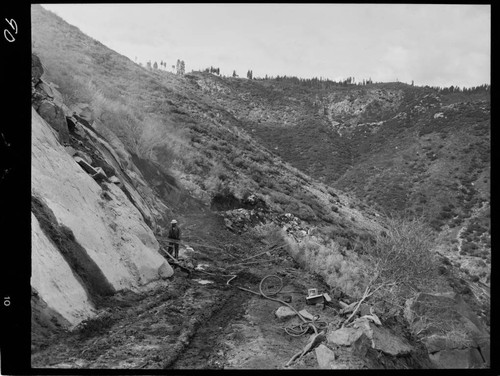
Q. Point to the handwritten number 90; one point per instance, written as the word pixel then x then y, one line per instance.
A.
pixel 7 34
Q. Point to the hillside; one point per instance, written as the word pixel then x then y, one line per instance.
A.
pixel 245 167
pixel 398 148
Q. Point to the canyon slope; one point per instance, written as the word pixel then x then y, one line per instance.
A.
pixel 302 178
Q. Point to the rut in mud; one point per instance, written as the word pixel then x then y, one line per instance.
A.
pixel 206 349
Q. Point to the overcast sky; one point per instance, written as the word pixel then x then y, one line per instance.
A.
pixel 439 45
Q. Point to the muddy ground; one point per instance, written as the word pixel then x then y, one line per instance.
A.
pixel 197 320
pixel 194 321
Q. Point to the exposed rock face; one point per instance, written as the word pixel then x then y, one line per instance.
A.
pixel 36 70
pixel 133 183
pixel 48 101
pixel 53 279
pixel 103 221
pixel 465 344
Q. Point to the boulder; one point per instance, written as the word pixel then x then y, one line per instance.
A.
pixel 344 336
pixel 384 340
pixel 46 88
pixel 113 179
pixel 325 357
pixel 165 271
pixel 84 156
pixel 71 151
pixel 284 313
pixel 54 116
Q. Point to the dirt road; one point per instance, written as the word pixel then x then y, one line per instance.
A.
pixel 196 321
pixel 192 320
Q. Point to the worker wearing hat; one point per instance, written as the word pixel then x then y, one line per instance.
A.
pixel 174 233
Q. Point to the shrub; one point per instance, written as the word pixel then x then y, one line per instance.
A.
pixel 338 267
pixel 300 210
pixel 269 232
pixel 401 262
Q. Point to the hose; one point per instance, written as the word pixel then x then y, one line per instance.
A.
pixel 296 330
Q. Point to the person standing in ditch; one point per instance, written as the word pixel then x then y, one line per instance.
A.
pixel 174 233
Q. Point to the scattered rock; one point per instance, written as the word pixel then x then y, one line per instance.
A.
pixel 284 313
pixel 84 156
pixel 306 314
pixel 113 179
pixel 389 343
pixel 71 151
pixel 325 357
pixel 344 336
pixel 165 271
pixel 86 167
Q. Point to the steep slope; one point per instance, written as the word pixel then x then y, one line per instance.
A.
pixel 166 119
pixel 67 199
pixel 155 145
pixel 401 149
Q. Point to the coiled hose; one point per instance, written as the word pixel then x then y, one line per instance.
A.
pixel 296 330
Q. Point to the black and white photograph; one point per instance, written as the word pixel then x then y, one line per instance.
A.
pixel 259 186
